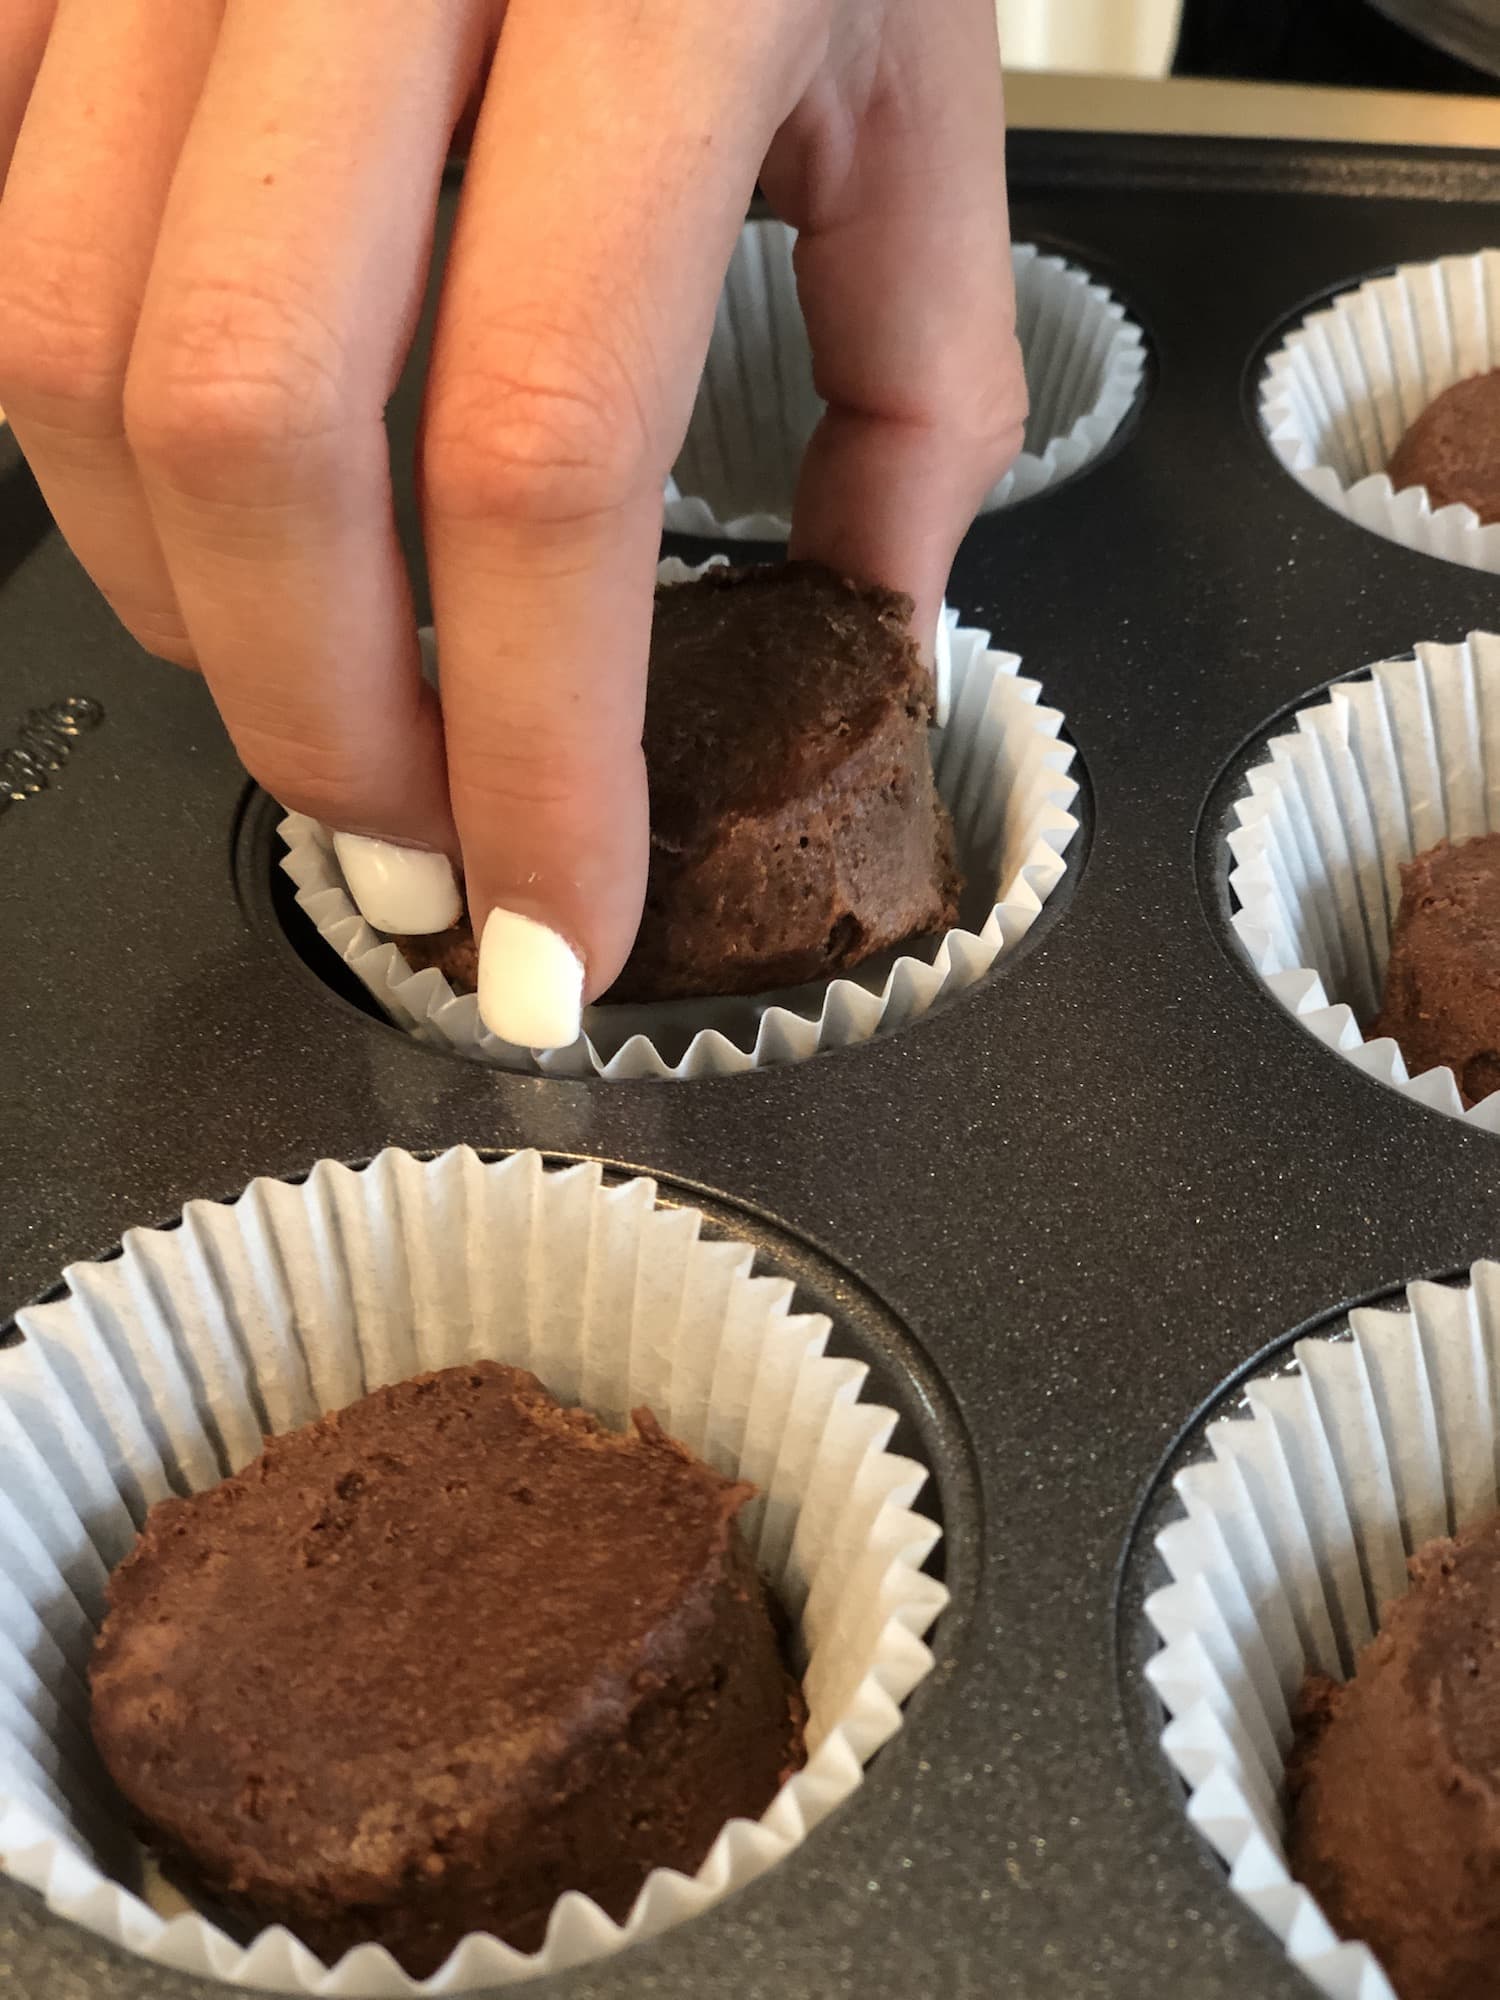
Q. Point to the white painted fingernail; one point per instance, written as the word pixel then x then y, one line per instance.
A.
pixel 942 667
pixel 530 983
pixel 408 890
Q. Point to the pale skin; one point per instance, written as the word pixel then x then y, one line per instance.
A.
pixel 215 226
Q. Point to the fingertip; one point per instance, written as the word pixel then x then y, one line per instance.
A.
pixel 407 891
pixel 554 842
pixel 887 503
pixel 530 982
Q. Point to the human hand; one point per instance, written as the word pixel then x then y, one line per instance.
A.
pixel 214 238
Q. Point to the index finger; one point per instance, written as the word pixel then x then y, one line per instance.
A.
pixel 24 28
pixel 578 301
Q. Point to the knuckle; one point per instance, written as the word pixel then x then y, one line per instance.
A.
pixel 342 783
pixel 62 352
pixel 982 405
pixel 329 803
pixel 235 379
pixel 997 412
pixel 543 427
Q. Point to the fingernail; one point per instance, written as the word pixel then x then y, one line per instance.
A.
pixel 408 890
pixel 942 667
pixel 530 983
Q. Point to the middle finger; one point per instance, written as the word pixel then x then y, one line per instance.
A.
pixel 282 299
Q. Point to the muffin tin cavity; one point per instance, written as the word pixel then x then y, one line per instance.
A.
pixel 1005 771
pixel 1085 361
pixel 1341 388
pixel 158 1371
pixel 1086 1191
pixel 1277 1532
pixel 1307 830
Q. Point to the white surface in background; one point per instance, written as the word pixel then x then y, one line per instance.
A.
pixel 1118 37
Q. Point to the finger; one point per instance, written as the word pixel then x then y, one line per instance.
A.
pixel 78 224
pixel 576 312
pixel 280 305
pixel 23 35
pixel 904 272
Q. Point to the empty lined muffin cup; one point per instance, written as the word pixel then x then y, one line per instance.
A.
pixel 159 1370
pixel 1381 769
pixel 1343 388
pixel 1002 770
pixel 1292 1543
pixel 1085 361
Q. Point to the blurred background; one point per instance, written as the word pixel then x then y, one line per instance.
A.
pixel 1117 37
pixel 1403 72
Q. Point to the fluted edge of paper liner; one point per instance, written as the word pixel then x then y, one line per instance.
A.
pixel 1291 1535
pixel 1085 362
pixel 295 1299
pixel 1377 770
pixel 1001 765
pixel 1341 390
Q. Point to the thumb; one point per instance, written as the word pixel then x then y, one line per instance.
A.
pixel 904 273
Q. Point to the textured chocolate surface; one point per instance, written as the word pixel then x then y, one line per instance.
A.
pixel 1442 984
pixel 1453 448
pixel 436 1659
pixel 1096 1185
pixel 795 826
pixel 455 953
pixel 1395 1780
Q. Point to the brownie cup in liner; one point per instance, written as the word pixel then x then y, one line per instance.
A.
pixel 158 1371
pixel 1001 769
pixel 1344 387
pixel 1378 771
pixel 756 407
pixel 1292 1546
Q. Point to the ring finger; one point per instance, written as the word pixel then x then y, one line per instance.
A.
pixel 79 218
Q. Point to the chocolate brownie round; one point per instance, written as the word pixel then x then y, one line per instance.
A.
pixel 1453 448
pixel 1395 1780
pixel 795 826
pixel 433 1661
pixel 1442 984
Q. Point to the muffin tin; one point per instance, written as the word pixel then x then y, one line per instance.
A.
pixel 757 404
pixel 1059 1213
pixel 999 760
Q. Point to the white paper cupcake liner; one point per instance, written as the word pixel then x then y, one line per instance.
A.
pixel 1341 391
pixel 757 407
pixel 1378 771
pixel 1294 1538
pixel 160 1369
pixel 1003 772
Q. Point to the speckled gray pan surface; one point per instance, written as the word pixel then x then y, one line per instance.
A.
pixel 1060 1213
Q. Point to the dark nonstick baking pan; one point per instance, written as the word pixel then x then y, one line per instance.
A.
pixel 1059 1214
